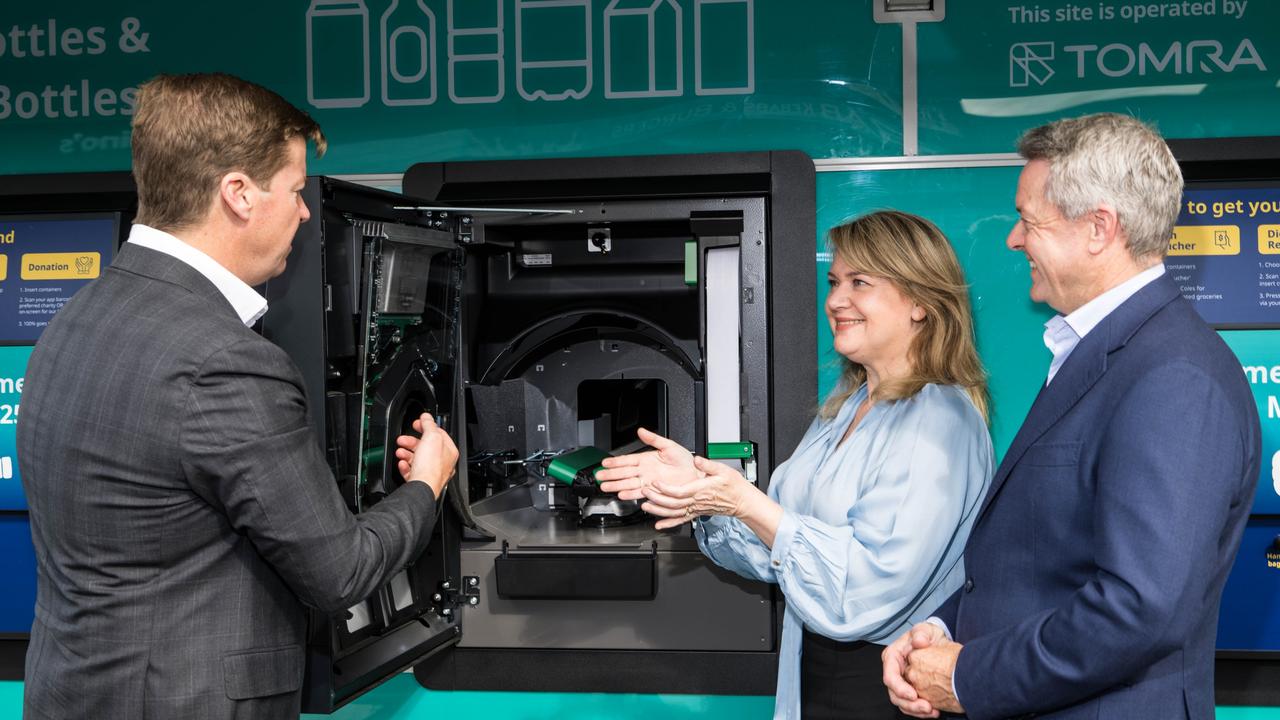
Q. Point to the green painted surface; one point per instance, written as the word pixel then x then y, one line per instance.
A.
pixel 736 75
pixel 402 698
pixel 781 80
pixel 992 70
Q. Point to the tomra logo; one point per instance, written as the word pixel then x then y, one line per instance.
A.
pixel 1034 62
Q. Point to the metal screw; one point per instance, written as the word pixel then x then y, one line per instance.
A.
pixel 445 584
pixel 447 612
pixel 475 601
pixel 473 581
pixel 436 597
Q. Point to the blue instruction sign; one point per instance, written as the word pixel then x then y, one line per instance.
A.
pixel 44 260
pixel 1225 254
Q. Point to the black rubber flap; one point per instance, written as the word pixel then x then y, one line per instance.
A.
pixel 577 577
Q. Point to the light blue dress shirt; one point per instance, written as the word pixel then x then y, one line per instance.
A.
pixel 1062 334
pixel 872 529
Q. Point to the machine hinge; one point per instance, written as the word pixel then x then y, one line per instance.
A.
pixel 451 595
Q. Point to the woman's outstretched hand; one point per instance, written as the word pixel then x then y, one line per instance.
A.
pixel 629 475
pixel 720 490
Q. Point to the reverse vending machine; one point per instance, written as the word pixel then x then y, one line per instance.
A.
pixel 543 311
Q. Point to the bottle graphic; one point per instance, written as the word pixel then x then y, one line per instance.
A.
pixel 553 49
pixel 476 53
pixel 408 53
pixel 337 53
pixel 643 49
pixel 724 47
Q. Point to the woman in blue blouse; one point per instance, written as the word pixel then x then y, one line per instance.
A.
pixel 864 525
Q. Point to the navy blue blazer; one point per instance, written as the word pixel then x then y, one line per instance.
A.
pixel 1096 565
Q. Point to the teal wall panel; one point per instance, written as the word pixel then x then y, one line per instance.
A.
pixel 974 208
pixel 485 89
pixel 991 70
pixel 401 699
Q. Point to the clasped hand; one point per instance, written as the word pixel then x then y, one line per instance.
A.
pixel 918 671
pixel 674 484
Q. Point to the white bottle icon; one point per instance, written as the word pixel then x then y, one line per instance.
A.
pixel 337 53
pixel 643 49
pixel 476 53
pixel 551 63
pixel 724 47
pixel 408 54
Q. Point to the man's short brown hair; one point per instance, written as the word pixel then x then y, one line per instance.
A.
pixel 191 130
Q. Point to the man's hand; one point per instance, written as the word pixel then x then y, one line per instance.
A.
pixel 930 669
pixel 895 658
pixel 629 475
pixel 432 458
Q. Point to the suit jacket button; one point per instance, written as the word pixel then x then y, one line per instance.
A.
pixel 968 585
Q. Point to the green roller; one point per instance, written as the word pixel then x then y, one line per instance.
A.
pixel 578 469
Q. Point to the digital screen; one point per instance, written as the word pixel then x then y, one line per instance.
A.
pixel 13 365
pixel 1259 355
pixel 1225 254
pixel 1250 615
pixel 44 260
pixel 18 568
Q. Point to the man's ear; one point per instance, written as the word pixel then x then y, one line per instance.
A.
pixel 238 194
pixel 1104 228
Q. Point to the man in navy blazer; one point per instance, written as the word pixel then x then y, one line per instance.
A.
pixel 1096 565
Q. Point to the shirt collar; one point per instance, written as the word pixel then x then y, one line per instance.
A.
pixel 1062 334
pixel 1087 316
pixel 248 304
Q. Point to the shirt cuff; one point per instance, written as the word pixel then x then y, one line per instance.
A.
pixel 787 527
pixel 937 621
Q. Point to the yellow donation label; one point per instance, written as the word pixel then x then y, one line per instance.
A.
pixel 61 266
pixel 1205 240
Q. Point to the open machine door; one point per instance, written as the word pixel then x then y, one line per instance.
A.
pixel 368 309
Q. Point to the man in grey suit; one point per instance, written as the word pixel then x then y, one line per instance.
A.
pixel 182 512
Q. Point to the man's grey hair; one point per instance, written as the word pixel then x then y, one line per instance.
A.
pixel 1112 159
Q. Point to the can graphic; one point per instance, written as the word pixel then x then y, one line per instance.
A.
pixel 408 53
pixel 724 47
pixel 476 52
pixel 643 49
pixel 553 49
pixel 337 53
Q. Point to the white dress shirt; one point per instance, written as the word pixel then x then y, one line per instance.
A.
pixel 246 301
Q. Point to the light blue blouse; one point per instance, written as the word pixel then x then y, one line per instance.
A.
pixel 872 529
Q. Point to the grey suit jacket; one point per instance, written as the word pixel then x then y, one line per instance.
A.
pixel 181 509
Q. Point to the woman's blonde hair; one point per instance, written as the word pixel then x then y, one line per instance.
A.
pixel 914 255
